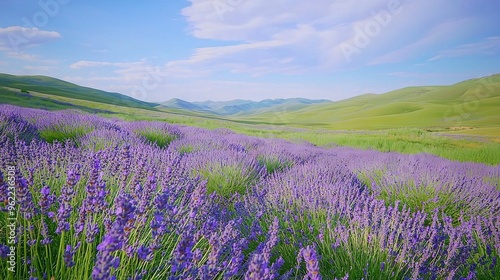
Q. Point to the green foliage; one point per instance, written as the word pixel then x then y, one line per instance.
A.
pixel 227 180
pixel 362 258
pixel 64 133
pixel 488 153
pixel 158 137
pixel 14 98
pixel 359 252
pixel 273 164
pixel 185 149
pixel 482 272
pixel 423 198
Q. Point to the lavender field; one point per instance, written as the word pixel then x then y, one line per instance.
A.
pixel 84 197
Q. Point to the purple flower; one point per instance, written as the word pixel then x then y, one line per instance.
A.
pixel 65 207
pixel 105 260
pixel 382 266
pixel 312 264
pixel 144 253
pixel 182 253
pixel 3 191
pixel 258 269
pixel 68 256
pixel 272 240
pixel 95 200
pixel 102 269
pixel 113 240
pixel 4 251
pixel 237 258
pixel 24 197
pixel 125 208
pixel 91 231
pixel 46 200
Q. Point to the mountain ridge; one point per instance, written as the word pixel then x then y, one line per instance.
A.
pixel 238 106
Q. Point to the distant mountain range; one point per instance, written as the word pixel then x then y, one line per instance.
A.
pixel 240 107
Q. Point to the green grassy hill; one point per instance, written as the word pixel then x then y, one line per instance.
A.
pixel 473 103
pixel 52 86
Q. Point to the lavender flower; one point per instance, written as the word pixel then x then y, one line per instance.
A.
pixel 144 253
pixel 4 250
pixel 115 238
pixel 182 253
pixel 47 199
pixel 312 263
pixel 24 197
pixel 69 252
pixel 258 269
pixel 65 207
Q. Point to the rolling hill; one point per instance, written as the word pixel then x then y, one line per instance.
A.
pixel 52 86
pixel 471 103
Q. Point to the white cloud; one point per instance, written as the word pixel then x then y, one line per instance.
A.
pixel 286 36
pixel 278 36
pixel 14 40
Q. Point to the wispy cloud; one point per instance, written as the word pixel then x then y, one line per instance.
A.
pixel 14 40
pixel 489 46
pixel 434 37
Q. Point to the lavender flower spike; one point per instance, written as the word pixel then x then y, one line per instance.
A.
pixel 312 263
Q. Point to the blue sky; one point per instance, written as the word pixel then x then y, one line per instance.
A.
pixel 251 49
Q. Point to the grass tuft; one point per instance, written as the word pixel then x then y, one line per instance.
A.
pixel 157 137
pixel 64 133
pixel 273 163
pixel 227 180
